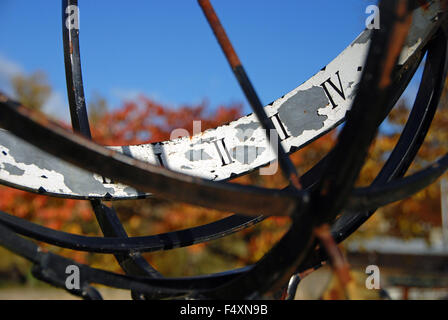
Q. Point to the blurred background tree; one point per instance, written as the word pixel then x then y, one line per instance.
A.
pixel 32 90
pixel 420 215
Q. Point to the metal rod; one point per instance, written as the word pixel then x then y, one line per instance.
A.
pixel 249 90
pixel 107 217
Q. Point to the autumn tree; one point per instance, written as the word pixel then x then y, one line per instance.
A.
pixel 33 90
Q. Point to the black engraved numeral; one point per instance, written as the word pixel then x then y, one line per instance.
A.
pixel 223 152
pixel 107 181
pixel 339 91
pixel 281 130
pixel 160 159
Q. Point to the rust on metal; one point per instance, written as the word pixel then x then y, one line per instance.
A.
pixel 338 261
pixel 424 4
pixel 220 33
pixel 295 181
pixel 398 38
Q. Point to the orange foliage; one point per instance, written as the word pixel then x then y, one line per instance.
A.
pixel 147 121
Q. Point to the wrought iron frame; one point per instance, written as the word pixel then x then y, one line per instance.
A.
pixel 313 201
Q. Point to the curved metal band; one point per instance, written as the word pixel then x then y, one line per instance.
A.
pixel 425 105
pixel 110 244
pixel 290 251
pixel 132 264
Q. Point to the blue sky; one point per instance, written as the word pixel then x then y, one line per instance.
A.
pixel 166 50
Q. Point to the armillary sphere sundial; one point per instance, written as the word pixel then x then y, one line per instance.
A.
pixel 358 88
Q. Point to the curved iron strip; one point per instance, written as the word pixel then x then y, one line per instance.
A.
pixel 30 251
pixel 275 268
pixel 51 268
pixel 176 286
pixel 347 157
pixel 123 245
pixel 292 287
pixel 415 182
pixel 398 163
pixel 73 70
pixel 133 264
pixel 409 143
pixel 399 189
